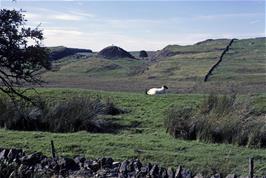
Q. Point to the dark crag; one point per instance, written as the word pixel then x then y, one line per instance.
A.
pixel 114 52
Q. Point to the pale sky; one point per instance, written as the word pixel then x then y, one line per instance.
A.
pixel 137 25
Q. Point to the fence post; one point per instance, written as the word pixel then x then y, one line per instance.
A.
pixel 250 167
pixel 52 149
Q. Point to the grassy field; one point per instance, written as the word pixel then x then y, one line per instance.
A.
pixel 144 137
pixel 181 68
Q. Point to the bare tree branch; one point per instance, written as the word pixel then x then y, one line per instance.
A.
pixel 20 63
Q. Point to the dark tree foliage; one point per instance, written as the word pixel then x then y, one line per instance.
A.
pixel 143 54
pixel 21 55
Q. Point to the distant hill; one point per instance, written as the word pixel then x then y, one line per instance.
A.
pixel 181 68
pixel 61 52
pixel 209 45
pixel 114 52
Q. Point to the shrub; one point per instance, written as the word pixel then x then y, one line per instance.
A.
pixel 179 123
pixel 72 115
pixel 143 54
pixel 218 119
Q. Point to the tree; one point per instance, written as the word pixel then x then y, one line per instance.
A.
pixel 143 54
pixel 21 55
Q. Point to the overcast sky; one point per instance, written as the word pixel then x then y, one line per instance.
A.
pixel 137 25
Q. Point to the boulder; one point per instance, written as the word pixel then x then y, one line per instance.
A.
pixel 170 172
pixel 32 159
pixel 79 159
pixel 50 163
pixel 199 175
pixel 116 164
pixel 186 173
pixel 81 173
pixel 94 166
pixel 178 172
pixel 149 166
pixel 231 176
pixel 163 173
pixel 144 171
pixel 106 162
pixel 4 153
pixel 216 176
pixel 14 154
pixel 13 175
pixel 101 173
pixel 24 171
pixel 137 165
pixel 154 172
pixel 123 167
pixel 67 163
pixel 130 166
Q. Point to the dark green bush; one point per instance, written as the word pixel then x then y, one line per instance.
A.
pixel 179 123
pixel 72 115
pixel 218 119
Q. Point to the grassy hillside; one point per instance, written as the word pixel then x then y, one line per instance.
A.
pixel 102 68
pixel 244 62
pixel 96 73
pixel 182 68
pixel 144 137
pixel 204 46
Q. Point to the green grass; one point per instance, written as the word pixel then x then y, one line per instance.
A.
pixel 183 67
pixel 245 62
pixel 243 67
pixel 95 67
pixel 204 46
pixel 148 140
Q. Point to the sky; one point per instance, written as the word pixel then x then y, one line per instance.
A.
pixel 141 25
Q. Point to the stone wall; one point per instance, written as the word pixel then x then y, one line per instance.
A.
pixel 219 61
pixel 15 163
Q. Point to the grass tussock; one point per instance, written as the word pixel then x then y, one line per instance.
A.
pixel 72 115
pixel 219 119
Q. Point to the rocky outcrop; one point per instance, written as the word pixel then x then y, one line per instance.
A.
pixel 114 52
pixel 61 52
pixel 15 163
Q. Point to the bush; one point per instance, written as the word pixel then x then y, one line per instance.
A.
pixel 179 123
pixel 218 119
pixel 71 115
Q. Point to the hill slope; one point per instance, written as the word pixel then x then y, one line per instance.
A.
pixel 186 63
pixel 182 68
pixel 206 46
pixel 245 61
pixel 60 52
pixel 114 52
